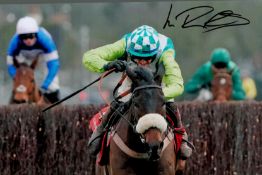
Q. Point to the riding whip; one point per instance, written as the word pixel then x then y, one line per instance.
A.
pixel 76 92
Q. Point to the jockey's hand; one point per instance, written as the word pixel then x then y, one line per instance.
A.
pixel 43 89
pixel 119 66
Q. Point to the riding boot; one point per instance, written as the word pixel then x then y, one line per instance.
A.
pixel 94 143
pixel 52 97
pixel 185 149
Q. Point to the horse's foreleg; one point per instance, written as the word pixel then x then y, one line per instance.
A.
pixel 101 170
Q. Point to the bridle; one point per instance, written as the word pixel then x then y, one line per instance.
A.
pixel 146 87
pixel 133 93
pixel 166 139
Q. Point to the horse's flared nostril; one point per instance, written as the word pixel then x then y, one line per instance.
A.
pixel 20 101
pixel 154 151
pixel 153 156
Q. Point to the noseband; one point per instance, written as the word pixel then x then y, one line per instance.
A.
pixel 146 87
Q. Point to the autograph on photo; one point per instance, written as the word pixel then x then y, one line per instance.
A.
pixel 226 18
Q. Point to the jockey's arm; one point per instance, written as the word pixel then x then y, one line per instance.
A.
pixel 95 59
pixel 53 68
pixel 51 57
pixel 249 87
pixel 173 81
pixel 10 66
pixel 12 49
pixel 199 79
pixel 238 91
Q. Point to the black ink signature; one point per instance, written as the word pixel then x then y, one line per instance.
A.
pixel 215 22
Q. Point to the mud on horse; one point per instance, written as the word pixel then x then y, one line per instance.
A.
pixel 141 142
pixel 25 89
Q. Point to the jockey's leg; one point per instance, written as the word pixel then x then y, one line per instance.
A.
pixel 52 97
pixel 94 143
pixel 185 150
pixel 53 92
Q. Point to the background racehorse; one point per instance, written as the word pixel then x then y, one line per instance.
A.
pixel 221 86
pixel 141 142
pixel 25 89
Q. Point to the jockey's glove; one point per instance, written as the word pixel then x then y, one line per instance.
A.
pixel 119 66
pixel 43 89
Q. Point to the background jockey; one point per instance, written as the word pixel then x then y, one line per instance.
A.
pixel 201 80
pixel 145 47
pixel 32 42
pixel 249 85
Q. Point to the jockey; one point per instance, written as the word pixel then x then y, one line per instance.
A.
pixel 201 80
pixel 32 42
pixel 249 85
pixel 145 47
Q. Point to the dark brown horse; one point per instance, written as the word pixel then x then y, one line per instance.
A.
pixel 141 143
pixel 221 85
pixel 25 89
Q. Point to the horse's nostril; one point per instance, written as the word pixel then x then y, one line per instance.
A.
pixel 161 145
pixel 154 151
pixel 153 155
pixel 20 101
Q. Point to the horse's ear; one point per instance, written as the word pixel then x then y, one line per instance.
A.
pixel 34 63
pixel 15 62
pixel 159 73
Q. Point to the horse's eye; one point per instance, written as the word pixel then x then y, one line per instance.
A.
pixel 32 81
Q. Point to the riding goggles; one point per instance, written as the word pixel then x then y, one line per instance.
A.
pixel 220 65
pixel 142 60
pixel 27 36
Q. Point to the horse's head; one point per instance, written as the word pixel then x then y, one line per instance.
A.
pixel 221 85
pixel 24 83
pixel 148 108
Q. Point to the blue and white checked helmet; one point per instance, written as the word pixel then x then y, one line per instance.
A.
pixel 143 42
